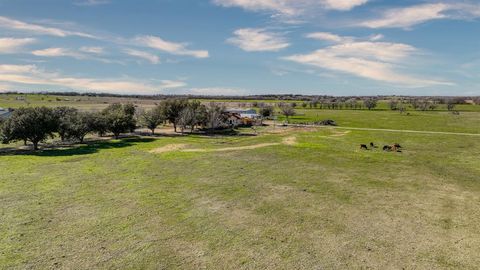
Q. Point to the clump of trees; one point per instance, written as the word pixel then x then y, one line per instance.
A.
pixel 37 124
pixel 119 119
pixel 370 103
pixel 30 124
pixel 267 111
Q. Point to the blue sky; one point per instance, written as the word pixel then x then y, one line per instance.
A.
pixel 232 47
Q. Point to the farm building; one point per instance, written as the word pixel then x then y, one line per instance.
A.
pixel 237 118
pixel 247 113
pixel 234 119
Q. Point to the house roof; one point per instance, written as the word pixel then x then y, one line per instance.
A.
pixel 242 111
pixel 233 114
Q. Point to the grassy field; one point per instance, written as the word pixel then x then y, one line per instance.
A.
pixel 468 122
pixel 98 103
pixel 288 198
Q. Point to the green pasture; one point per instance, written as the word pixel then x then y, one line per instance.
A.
pixel 319 203
pixel 285 198
pixel 468 122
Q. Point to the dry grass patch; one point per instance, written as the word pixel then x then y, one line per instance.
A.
pixel 168 148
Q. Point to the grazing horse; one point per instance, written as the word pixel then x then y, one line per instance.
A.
pixel 397 145
pixel 363 146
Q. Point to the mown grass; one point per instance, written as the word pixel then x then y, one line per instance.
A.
pixel 321 203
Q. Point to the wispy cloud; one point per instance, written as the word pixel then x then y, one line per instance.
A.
pixel 31 75
pixel 58 52
pixel 326 36
pixel 13 45
pixel 169 47
pixel 36 29
pixel 368 59
pixel 152 58
pixel 93 50
pixel 291 8
pixel 91 2
pixel 407 17
pixel 343 4
pixel 258 40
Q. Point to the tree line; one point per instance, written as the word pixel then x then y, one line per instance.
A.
pixel 37 124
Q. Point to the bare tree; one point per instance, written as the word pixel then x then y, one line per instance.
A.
pixel 287 110
pixel 393 104
pixel 215 116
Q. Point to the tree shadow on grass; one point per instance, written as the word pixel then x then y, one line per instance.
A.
pixel 78 150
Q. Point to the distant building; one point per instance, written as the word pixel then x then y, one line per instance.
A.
pixel 5 113
pixel 234 119
pixel 245 113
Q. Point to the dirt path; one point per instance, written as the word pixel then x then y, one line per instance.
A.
pixel 393 130
pixel 292 140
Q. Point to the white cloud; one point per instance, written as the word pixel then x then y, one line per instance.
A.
pixel 7 23
pixel 258 40
pixel 277 6
pixel 58 52
pixel 170 47
pixel 377 37
pixel 407 17
pixel 13 45
pixel 373 60
pixel 290 8
pixel 152 58
pixel 92 2
pixel 343 4
pixel 93 50
pixel 169 84
pixel 329 37
pixel 17 69
pixel 31 75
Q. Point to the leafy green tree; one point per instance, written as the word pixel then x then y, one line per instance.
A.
pixel 172 109
pixel 267 111
pixel 80 124
pixel 99 124
pixel 370 103
pixel 32 124
pixel 64 116
pixel 152 118
pixel 119 119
